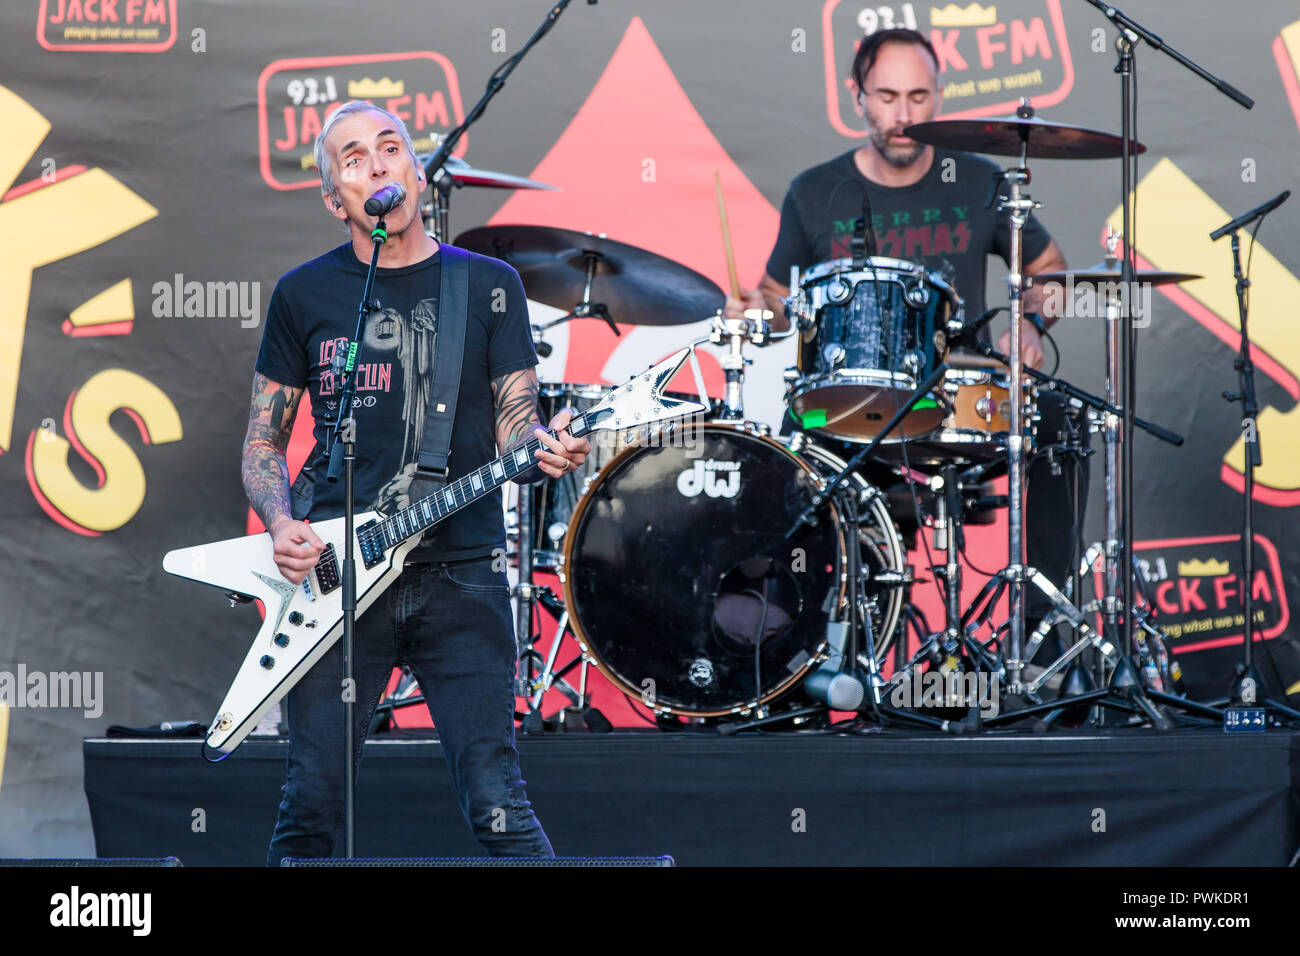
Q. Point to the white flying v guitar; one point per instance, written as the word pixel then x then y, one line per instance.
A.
pixel 303 622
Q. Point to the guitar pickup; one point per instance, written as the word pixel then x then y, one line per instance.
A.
pixel 371 546
pixel 327 570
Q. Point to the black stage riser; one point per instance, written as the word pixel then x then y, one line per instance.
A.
pixel 1193 798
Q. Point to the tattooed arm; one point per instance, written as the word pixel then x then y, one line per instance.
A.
pixel 514 396
pixel 266 476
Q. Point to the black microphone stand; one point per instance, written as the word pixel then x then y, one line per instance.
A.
pixel 1247 685
pixel 1130 34
pixel 341 448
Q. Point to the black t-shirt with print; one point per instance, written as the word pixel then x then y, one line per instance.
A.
pixel 940 220
pixel 312 316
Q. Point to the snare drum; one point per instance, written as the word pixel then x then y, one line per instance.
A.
pixel 870 336
pixel 976 421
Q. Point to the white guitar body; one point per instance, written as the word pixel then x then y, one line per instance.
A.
pixel 301 623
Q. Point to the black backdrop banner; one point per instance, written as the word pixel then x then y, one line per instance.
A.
pixel 130 317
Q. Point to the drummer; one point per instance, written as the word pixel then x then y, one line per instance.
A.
pixel 927 204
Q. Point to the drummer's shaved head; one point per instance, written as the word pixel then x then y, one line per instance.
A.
pixel 869 50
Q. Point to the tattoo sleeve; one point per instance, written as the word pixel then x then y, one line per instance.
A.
pixel 264 467
pixel 514 396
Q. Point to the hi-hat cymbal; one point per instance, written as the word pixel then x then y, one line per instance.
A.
pixel 636 286
pixel 1008 135
pixel 1110 271
pixel 463 174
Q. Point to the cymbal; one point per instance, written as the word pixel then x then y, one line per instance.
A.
pixel 1110 271
pixel 463 174
pixel 1007 135
pixel 638 287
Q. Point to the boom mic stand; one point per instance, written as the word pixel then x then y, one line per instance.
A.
pixel 1130 34
pixel 1247 686
pixel 434 172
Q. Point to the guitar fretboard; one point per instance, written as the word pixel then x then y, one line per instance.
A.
pixel 425 513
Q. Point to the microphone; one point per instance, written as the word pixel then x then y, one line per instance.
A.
pixel 387 199
pixel 834 683
pixel 1251 216
pixel 970 331
pixel 866 220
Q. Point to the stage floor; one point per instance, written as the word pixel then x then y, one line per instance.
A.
pixel 1186 798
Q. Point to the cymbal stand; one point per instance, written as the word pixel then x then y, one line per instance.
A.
pixel 586 309
pixel 1018 207
pixel 1017 573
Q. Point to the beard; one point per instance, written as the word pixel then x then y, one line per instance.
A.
pixel 897 156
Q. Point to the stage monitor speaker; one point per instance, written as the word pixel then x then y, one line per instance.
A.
pixel 123 861
pixel 490 861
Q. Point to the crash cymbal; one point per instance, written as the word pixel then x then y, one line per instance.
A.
pixel 463 174
pixel 1008 135
pixel 636 286
pixel 1110 271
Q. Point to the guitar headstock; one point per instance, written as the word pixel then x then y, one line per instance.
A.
pixel 642 401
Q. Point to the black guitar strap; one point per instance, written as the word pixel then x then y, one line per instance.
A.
pixel 435 442
pixel 453 319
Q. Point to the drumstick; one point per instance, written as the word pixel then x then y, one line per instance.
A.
pixel 726 237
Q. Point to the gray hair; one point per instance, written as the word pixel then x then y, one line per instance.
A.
pixel 327 184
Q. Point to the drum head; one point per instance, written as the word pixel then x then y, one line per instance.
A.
pixel 681 583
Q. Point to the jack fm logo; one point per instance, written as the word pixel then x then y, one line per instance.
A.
pixel 123 26
pixel 990 54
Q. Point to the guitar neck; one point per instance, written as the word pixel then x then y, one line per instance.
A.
pixel 425 513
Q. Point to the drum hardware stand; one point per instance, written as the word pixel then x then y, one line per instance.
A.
pixel 1018 206
pixel 1248 684
pixel 1018 574
pixel 957 638
pixel 586 309
pixel 1124 679
pixel 755 327
pixel 875 682
pixel 530 684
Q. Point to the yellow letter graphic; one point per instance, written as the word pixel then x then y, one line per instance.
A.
pixel 121 478
pixel 1178 217
pixel 43 226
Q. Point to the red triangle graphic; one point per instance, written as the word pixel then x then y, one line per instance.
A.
pixel 636 163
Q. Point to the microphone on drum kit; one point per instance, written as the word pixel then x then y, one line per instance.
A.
pixel 543 348
pixel 830 683
pixel 863 243
pixel 970 331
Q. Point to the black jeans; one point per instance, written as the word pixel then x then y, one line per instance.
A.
pixel 451 624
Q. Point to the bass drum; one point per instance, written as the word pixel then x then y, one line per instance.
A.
pixel 680 583
pixel 553 500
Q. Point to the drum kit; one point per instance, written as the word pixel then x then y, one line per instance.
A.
pixel 710 568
